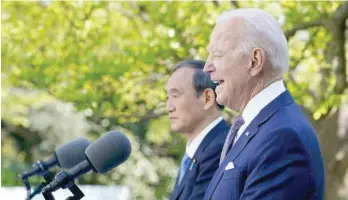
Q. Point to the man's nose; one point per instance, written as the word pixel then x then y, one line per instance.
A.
pixel 208 66
pixel 170 107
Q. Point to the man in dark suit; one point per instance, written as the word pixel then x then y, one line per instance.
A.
pixel 194 112
pixel 271 151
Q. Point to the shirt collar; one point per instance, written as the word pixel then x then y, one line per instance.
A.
pixel 258 102
pixel 193 146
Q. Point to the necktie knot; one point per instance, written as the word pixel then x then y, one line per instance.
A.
pixel 238 122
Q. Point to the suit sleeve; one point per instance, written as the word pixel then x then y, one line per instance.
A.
pixel 279 169
pixel 208 165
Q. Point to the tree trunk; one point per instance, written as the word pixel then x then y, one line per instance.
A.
pixel 332 146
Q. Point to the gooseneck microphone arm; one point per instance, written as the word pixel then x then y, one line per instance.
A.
pixel 40 167
pixel 48 178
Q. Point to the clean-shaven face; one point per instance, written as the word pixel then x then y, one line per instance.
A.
pixel 225 63
pixel 186 110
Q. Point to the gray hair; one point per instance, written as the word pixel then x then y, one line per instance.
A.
pixel 261 31
pixel 201 80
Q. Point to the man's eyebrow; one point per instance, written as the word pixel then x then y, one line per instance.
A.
pixel 172 90
pixel 213 48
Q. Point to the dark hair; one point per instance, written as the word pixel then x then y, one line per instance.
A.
pixel 201 80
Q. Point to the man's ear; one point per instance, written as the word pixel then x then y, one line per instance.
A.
pixel 209 98
pixel 258 57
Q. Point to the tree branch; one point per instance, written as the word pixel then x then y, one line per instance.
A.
pixel 307 45
pixel 297 62
pixel 142 11
pixel 141 118
pixel 336 50
pixel 235 4
pixel 216 3
pixel 152 115
pixel 292 79
pixel 305 25
pixel 341 14
pixel 336 53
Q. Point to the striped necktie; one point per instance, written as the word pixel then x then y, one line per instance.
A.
pixel 238 122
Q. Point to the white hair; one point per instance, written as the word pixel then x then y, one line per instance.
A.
pixel 261 31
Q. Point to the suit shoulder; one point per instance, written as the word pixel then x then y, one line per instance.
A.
pixel 294 121
pixel 216 145
pixel 291 127
pixel 219 134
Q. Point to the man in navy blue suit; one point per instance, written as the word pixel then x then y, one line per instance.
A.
pixel 271 151
pixel 194 112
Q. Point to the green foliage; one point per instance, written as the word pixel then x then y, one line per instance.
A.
pixel 111 60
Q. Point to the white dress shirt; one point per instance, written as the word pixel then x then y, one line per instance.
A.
pixel 258 102
pixel 192 147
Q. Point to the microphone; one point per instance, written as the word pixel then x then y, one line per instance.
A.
pixel 106 153
pixel 65 156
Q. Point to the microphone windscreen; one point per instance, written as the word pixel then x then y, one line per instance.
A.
pixel 71 153
pixel 108 151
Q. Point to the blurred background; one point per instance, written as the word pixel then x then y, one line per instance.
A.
pixel 78 68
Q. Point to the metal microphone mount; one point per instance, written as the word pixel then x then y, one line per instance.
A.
pixel 62 180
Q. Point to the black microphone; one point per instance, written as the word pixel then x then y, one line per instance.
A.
pixel 106 153
pixel 65 156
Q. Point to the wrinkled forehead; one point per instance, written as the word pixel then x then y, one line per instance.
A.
pixel 225 35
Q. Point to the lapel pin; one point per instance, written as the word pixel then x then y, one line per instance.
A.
pixel 247 133
pixel 194 161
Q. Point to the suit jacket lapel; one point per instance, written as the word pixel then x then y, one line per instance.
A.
pixel 183 183
pixel 176 189
pixel 218 129
pixel 281 101
pixel 206 141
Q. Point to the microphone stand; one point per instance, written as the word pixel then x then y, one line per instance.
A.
pixel 77 193
pixel 53 186
pixel 44 173
pixel 75 190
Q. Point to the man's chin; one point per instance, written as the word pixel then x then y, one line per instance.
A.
pixel 220 100
pixel 175 128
